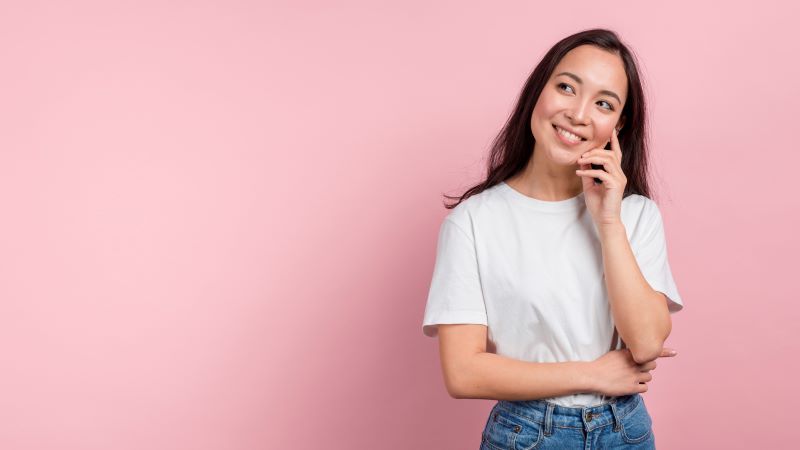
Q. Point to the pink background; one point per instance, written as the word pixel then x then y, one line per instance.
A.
pixel 219 218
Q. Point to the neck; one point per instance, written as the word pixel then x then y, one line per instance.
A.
pixel 545 180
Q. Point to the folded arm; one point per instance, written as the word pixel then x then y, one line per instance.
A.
pixel 470 372
pixel 641 314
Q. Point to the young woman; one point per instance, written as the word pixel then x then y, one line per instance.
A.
pixel 552 291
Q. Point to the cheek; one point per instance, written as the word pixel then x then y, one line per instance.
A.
pixel 542 112
pixel 545 107
pixel 605 130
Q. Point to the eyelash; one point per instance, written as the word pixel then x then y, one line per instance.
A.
pixel 610 107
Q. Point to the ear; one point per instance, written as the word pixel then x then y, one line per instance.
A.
pixel 620 123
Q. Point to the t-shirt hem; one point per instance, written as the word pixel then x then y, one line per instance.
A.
pixel 430 326
pixel 674 301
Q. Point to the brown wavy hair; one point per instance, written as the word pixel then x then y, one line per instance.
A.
pixel 513 146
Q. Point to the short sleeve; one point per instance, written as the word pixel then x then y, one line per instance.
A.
pixel 455 294
pixel 649 246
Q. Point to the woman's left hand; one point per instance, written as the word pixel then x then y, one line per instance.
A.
pixel 604 200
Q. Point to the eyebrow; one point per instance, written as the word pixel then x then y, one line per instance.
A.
pixel 578 79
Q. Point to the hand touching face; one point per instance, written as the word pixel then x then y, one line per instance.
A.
pixel 604 201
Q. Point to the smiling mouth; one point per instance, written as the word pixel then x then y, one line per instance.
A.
pixel 567 136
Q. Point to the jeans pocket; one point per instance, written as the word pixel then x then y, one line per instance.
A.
pixel 637 424
pixel 507 431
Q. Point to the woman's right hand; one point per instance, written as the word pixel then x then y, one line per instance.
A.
pixel 616 373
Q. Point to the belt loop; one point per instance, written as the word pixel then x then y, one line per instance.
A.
pixel 548 419
pixel 615 413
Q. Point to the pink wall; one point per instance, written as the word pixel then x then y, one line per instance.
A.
pixel 219 218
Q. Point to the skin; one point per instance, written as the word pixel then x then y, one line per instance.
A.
pixel 558 171
pixel 640 313
pixel 550 173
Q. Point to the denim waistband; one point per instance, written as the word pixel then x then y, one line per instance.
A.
pixel 588 418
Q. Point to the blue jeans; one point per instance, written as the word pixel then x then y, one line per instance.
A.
pixel 621 423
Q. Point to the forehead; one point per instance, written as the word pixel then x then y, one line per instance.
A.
pixel 597 68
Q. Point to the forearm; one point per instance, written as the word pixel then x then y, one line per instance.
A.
pixel 494 377
pixel 640 313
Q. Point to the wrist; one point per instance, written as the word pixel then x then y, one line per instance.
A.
pixel 611 230
pixel 588 380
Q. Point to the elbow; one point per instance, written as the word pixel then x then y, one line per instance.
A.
pixel 646 351
pixel 651 343
pixel 451 386
pixel 459 383
pixel 454 388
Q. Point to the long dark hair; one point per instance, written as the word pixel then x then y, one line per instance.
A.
pixel 513 146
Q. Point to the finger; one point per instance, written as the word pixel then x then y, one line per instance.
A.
pixel 596 173
pixel 667 352
pixel 615 147
pixel 603 153
pixel 650 365
pixel 606 161
pixel 645 377
pixel 586 182
pixel 600 151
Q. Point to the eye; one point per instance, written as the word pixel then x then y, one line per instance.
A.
pixel 610 108
pixel 563 84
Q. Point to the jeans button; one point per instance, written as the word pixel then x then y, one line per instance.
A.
pixel 589 417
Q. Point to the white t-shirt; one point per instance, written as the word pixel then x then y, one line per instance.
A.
pixel 532 272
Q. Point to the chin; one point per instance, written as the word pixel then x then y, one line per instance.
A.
pixel 563 156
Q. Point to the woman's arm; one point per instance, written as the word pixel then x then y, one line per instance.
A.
pixel 640 313
pixel 470 372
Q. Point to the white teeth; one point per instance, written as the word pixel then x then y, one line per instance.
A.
pixel 568 135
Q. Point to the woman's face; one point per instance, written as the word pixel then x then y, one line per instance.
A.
pixel 585 94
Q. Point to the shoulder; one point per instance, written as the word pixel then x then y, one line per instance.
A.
pixel 482 204
pixel 641 217
pixel 637 201
pixel 638 207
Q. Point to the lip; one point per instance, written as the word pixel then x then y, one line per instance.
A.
pixel 562 138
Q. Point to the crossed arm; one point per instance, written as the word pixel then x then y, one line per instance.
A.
pixel 641 314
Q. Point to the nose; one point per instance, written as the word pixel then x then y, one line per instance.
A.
pixel 577 113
